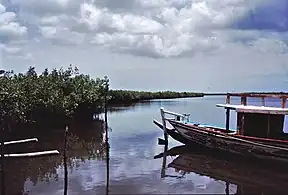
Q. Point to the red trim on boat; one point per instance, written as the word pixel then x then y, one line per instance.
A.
pixel 264 139
pixel 235 135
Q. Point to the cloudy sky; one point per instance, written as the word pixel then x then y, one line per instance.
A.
pixel 202 45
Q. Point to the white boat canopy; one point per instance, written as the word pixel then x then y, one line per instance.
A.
pixel 255 109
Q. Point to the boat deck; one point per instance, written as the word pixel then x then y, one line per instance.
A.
pixel 255 109
pixel 233 131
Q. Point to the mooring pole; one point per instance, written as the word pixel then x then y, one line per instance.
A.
pixel 106 137
pixel 163 170
pixel 166 142
pixel 65 161
pixel 164 124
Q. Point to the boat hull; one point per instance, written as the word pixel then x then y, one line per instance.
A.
pixel 174 134
pixel 229 143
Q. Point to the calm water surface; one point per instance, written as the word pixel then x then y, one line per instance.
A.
pixel 133 169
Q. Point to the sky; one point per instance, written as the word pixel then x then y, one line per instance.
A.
pixel 182 45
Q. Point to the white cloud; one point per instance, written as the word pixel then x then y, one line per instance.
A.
pixel 167 29
pixel 193 32
pixel 61 35
pixel 48 6
pixel 9 28
pixel 160 28
pixel 12 30
pixel 11 50
pixel 50 20
pixel 11 34
pixel 96 18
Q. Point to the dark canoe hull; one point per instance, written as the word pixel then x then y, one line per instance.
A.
pixel 229 143
pixel 174 134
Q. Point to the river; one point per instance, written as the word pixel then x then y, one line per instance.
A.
pixel 132 168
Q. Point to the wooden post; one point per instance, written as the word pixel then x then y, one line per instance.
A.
pixel 2 162
pixel 106 91
pixel 107 165
pixel 284 102
pixel 163 170
pixel 240 123
pixel 228 99
pixel 268 129
pixel 65 162
pixel 227 119
pixel 263 100
pixel 107 141
pixel 244 100
pixel 242 130
pixel 164 124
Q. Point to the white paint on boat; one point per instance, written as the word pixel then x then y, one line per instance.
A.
pixel 255 109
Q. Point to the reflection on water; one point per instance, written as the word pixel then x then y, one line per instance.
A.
pixel 84 143
pixel 239 176
pixel 131 150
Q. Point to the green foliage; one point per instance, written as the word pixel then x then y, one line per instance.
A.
pixel 60 93
pixel 134 96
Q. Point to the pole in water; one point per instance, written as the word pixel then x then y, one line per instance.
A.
pixel 65 162
pixel 164 124
pixel 107 165
pixel 106 135
pixel 163 169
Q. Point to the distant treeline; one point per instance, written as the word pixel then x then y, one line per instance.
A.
pixel 58 96
pixel 127 96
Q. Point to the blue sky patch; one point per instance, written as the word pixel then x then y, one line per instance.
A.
pixel 270 16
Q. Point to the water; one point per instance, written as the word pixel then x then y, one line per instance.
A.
pixel 133 144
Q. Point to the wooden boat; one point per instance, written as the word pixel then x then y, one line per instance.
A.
pixel 259 130
pixel 172 133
